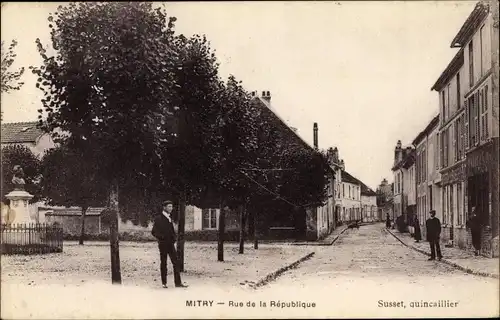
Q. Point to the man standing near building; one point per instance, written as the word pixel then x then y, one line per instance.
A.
pixel 475 226
pixel 433 226
pixel 163 230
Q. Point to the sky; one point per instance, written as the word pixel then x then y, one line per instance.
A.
pixel 361 70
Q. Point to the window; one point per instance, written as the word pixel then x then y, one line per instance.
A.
pixel 443 107
pixel 459 98
pixel 450 213
pixel 436 150
pixel 448 104
pixel 445 146
pixel 473 120
pixel 424 165
pixel 484 113
pixel 481 35
pixel 471 64
pixel 456 134
pixel 460 210
pixel 209 220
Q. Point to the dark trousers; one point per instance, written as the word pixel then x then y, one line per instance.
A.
pixel 435 247
pixel 167 248
pixel 476 240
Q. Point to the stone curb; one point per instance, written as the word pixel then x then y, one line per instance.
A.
pixel 320 243
pixel 448 262
pixel 272 276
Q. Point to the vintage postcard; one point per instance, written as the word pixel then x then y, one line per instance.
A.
pixel 250 159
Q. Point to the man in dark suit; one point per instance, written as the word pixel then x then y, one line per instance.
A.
pixel 163 230
pixel 433 226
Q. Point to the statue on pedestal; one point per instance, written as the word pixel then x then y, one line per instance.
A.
pixel 18 178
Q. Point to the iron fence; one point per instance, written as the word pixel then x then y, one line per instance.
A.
pixel 32 238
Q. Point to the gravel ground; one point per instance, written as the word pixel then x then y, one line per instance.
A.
pixel 140 264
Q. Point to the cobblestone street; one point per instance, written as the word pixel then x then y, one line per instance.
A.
pixel 369 265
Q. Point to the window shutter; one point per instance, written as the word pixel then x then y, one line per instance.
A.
pixel 454 135
pixel 485 102
pixel 466 125
pixel 476 118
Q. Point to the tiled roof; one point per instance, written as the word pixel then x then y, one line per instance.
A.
pixel 347 177
pixel 426 131
pixel 367 191
pixel 20 132
pixel 74 211
pixel 273 111
pixel 470 25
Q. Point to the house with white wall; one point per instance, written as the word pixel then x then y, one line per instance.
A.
pixel 26 134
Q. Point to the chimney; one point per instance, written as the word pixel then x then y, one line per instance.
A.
pixel 335 155
pixel 315 133
pixel 342 165
pixel 266 95
pixel 397 152
pixel 253 94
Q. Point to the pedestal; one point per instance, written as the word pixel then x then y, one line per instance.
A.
pixel 19 204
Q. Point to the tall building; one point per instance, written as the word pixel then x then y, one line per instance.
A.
pixel 469 130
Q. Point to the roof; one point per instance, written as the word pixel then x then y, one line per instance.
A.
pixel 431 125
pixel 470 25
pixel 347 177
pixel 20 132
pixel 270 108
pixel 73 211
pixel 408 159
pixel 367 191
pixel 450 71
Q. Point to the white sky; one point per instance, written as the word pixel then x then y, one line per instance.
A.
pixel 362 70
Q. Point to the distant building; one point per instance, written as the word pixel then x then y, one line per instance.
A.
pixel 369 209
pixel 385 200
pixel 26 134
pixel 404 187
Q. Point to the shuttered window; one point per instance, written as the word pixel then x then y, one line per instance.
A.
pixel 466 125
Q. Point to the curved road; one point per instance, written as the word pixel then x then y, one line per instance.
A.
pixel 367 272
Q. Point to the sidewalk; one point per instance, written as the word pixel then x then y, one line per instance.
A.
pixel 327 241
pixel 456 257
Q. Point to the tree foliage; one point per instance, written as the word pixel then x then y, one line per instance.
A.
pixel 20 155
pixel 69 178
pixel 10 78
pixel 159 119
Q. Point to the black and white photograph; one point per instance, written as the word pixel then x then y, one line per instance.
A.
pixel 250 159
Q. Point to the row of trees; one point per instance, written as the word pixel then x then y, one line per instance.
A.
pixel 146 113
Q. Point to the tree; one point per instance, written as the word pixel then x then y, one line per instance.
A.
pixel 109 87
pixel 71 178
pixel 20 155
pixel 10 79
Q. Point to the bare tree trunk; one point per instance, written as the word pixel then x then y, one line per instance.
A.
pixel 82 230
pixel 242 229
pixel 116 277
pixel 220 233
pixel 255 232
pixel 180 233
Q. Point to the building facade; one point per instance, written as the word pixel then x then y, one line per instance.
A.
pixel 469 130
pixel 369 209
pixel 428 178
pixel 385 200
pixel 404 199
pixel 26 134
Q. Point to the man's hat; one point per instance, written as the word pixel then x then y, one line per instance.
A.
pixel 167 202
